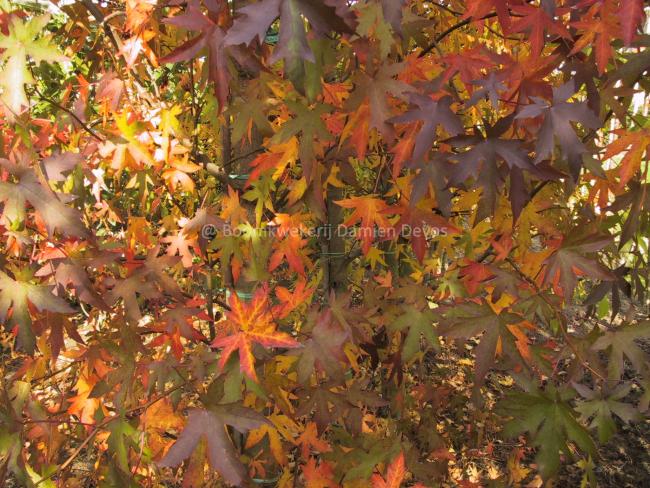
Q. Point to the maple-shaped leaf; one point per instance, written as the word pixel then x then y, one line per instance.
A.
pixel 309 123
pixel 537 21
pixel 394 474
pixel 432 174
pixel 478 9
pixel 175 323
pixel 432 113
pixel 419 225
pixel 469 64
pixel 15 297
pixel 392 10
pixel 319 476
pixel 419 324
pixel 27 188
pixel 324 349
pixel 403 149
pixel 84 404
pixel 369 212
pixel 619 286
pixel 290 301
pixel 57 165
pixel 330 404
pixel 276 159
pixel 599 26
pixel 570 256
pixel 72 272
pixel 247 324
pixel 309 441
pixel 478 158
pixel 637 200
pixel 291 249
pixel 621 343
pixel 631 15
pixel 601 405
pixel 325 16
pixel 547 416
pixel 471 319
pixel 128 149
pixel 148 280
pixel 490 88
pixel 211 426
pixel 558 116
pixel 19 45
pixel 636 146
pixel 372 88
pixel 212 38
pixel 57 323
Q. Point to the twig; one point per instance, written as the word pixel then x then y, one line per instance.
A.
pixel 451 29
pixel 83 125
pixel 561 319
pixel 99 427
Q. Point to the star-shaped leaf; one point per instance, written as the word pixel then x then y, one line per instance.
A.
pixel 15 297
pixel 211 425
pixel 19 45
pixel 247 324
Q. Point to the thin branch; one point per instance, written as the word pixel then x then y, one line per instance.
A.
pixel 99 427
pixel 451 29
pixel 81 123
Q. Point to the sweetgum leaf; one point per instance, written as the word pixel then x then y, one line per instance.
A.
pixel 621 343
pixel 19 45
pixel 550 421
pixel 211 425
pixel 558 116
pixel 28 189
pixel 15 298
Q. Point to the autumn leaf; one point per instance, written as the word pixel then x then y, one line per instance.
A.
pixel 419 323
pixel 19 45
pixel 470 319
pixel 537 21
pixel 368 212
pixel 569 257
pixel 635 145
pixel 600 406
pixel 557 123
pixel 28 189
pixel 394 474
pixel 600 26
pixel 211 425
pixel 254 20
pixel 17 295
pixel 212 38
pixel 432 114
pixel 319 476
pixel 310 441
pixel 631 15
pixel 247 324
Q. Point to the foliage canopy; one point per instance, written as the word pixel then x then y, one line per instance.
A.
pixel 321 243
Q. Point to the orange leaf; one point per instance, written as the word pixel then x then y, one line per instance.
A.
pixel 248 323
pixel 394 474
pixel 369 211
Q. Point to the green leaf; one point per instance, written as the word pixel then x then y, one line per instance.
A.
pixel 551 423
pixel 16 295
pixel 601 405
pixel 620 343
pixel 419 323
pixel 19 45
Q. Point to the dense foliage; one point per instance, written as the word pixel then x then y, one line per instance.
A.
pixel 321 243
